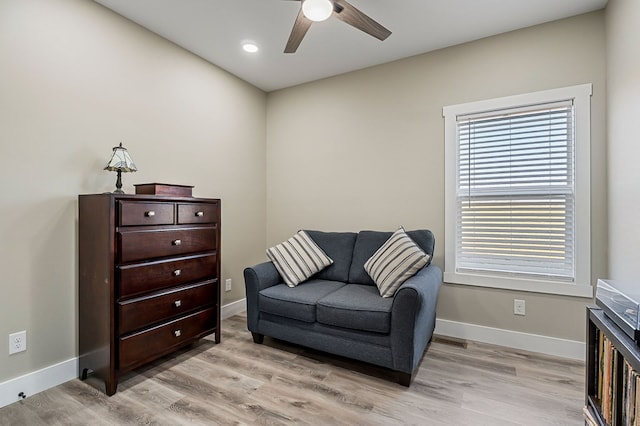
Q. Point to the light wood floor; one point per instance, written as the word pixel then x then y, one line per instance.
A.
pixel 239 382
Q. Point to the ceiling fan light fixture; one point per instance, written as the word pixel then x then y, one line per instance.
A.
pixel 317 10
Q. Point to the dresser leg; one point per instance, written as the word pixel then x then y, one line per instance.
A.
pixel 257 338
pixel 111 388
pixel 83 376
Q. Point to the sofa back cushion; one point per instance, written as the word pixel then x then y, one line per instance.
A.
pixel 368 242
pixel 339 247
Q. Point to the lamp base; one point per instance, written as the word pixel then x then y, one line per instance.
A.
pixel 119 183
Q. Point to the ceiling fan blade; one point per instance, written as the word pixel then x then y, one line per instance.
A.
pixel 300 28
pixel 354 17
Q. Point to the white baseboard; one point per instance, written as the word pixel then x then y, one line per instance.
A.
pixel 233 308
pixel 38 381
pixel 54 375
pixel 513 339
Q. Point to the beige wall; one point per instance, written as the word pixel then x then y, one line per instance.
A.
pixel 75 80
pixel 365 150
pixel 623 142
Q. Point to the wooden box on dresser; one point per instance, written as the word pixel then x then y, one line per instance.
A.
pixel 149 279
pixel 612 373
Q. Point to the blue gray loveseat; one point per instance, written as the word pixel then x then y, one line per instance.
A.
pixel 339 309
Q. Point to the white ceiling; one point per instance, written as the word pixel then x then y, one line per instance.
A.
pixel 215 30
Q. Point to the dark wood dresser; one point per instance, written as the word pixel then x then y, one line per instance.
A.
pixel 149 279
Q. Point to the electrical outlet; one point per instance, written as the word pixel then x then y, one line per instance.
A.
pixel 17 342
pixel 227 284
pixel 518 307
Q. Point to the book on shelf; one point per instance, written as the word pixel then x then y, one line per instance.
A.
pixel 588 417
pixel 636 417
pixel 608 363
pixel 630 397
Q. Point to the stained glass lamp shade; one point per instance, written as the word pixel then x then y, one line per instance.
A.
pixel 120 162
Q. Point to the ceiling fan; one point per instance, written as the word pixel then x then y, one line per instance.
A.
pixel 320 10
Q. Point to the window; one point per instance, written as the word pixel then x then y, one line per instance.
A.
pixel 517 192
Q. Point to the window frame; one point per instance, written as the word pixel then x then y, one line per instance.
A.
pixel 581 287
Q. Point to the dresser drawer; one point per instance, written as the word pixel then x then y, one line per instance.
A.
pixel 197 213
pixel 136 213
pixel 140 312
pixel 139 348
pixel 140 245
pixel 151 276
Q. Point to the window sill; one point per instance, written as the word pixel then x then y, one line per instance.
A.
pixel 529 285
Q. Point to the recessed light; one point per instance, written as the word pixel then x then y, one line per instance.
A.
pixel 250 47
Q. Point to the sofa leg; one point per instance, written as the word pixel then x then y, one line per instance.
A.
pixel 404 378
pixel 257 338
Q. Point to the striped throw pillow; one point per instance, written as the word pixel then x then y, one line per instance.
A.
pixel 396 261
pixel 298 258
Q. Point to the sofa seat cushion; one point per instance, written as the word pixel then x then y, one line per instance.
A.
pixel 296 302
pixel 357 307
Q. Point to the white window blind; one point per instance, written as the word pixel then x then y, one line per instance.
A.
pixel 515 192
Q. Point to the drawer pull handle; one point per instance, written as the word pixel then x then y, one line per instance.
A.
pixel 177 272
pixel 150 213
pixel 177 303
pixel 176 242
pixel 177 333
pixel 199 214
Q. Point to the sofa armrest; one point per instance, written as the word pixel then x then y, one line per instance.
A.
pixel 257 278
pixel 413 317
